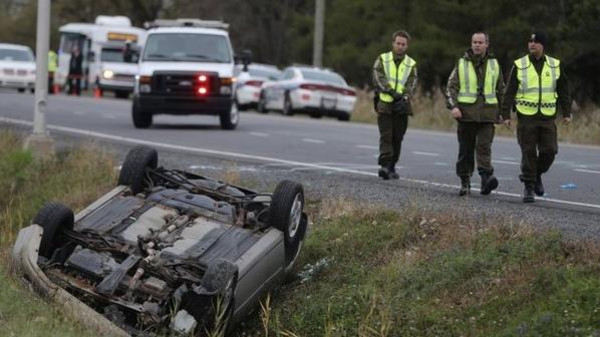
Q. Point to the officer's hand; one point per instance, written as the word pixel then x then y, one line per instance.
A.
pixel 566 120
pixel 456 113
pixel 506 123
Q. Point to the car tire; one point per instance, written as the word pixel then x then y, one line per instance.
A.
pixel 316 115
pixel 286 214
pixel 288 109
pixel 122 94
pixel 54 218
pixel 21 90
pixel 133 171
pixel 229 119
pixel 344 117
pixel 141 119
pixel 261 106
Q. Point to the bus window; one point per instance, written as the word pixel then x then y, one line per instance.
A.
pixel 69 40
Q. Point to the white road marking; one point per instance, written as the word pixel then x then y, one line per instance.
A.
pixel 259 134
pixel 508 158
pixel 429 154
pixel 505 162
pixel 310 140
pixel 438 163
pixel 587 171
pixel 368 147
pixel 267 159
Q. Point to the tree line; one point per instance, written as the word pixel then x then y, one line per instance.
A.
pixel 356 31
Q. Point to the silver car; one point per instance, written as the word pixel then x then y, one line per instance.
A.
pixel 311 90
pixel 165 251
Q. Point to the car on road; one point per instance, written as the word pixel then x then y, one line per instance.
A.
pixel 186 68
pixel 17 67
pixel 311 90
pixel 249 81
pixel 166 250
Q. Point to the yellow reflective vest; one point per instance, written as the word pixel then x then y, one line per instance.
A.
pixel 52 61
pixel 535 91
pixel 468 82
pixel 396 76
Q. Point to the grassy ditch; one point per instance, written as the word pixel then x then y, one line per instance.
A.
pixel 430 113
pixel 374 272
pixel 364 270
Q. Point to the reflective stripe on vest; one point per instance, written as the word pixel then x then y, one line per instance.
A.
pixel 468 82
pixel 396 76
pixel 537 92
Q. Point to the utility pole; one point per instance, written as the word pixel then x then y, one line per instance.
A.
pixel 40 142
pixel 319 32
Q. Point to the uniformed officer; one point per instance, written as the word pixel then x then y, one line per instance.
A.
pixel 537 86
pixel 52 67
pixel 474 88
pixel 394 78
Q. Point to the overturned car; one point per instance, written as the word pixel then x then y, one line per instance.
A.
pixel 166 251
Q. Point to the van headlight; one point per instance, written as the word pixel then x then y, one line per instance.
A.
pixel 108 74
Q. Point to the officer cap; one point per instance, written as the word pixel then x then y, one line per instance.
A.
pixel 538 37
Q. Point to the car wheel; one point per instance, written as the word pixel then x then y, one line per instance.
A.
pixel 230 118
pixel 122 94
pixel 141 119
pixel 286 214
pixel 344 117
pixel 288 110
pixel 54 218
pixel 262 103
pixel 133 172
pixel 218 287
pixel 21 90
pixel 316 115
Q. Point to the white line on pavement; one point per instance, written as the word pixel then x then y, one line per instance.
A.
pixel 587 171
pixel 368 147
pixel 267 159
pixel 505 162
pixel 259 134
pixel 430 154
pixel 310 140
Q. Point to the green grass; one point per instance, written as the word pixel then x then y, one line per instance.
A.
pixel 430 113
pixel 366 271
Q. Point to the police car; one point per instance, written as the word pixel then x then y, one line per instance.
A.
pixel 186 68
pixel 17 67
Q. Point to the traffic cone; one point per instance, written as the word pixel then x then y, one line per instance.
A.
pixel 56 89
pixel 97 92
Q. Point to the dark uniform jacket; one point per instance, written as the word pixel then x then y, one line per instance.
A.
pixel 478 111
pixel 562 90
pixel 75 65
pixel 381 84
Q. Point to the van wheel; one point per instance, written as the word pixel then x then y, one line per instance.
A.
pixel 344 117
pixel 54 218
pixel 286 214
pixel 133 171
pixel 230 118
pixel 141 119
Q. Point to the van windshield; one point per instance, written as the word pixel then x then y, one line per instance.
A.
pixel 119 55
pixel 187 47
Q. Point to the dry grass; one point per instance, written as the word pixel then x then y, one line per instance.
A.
pixel 430 113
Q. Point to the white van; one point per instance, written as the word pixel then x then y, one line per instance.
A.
pixel 106 64
pixel 186 68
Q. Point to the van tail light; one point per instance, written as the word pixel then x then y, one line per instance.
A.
pixel 145 79
pixel 254 83
pixel 227 81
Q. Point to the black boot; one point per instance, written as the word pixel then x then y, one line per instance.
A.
pixel 488 183
pixel 538 187
pixel 393 174
pixel 528 193
pixel 384 173
pixel 465 186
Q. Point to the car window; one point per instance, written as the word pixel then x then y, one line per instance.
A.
pixel 322 76
pixel 265 73
pixel 288 74
pixel 15 55
pixel 188 47
pixel 117 55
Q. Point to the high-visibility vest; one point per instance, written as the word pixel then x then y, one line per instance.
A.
pixel 537 92
pixel 396 76
pixel 468 81
pixel 52 61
